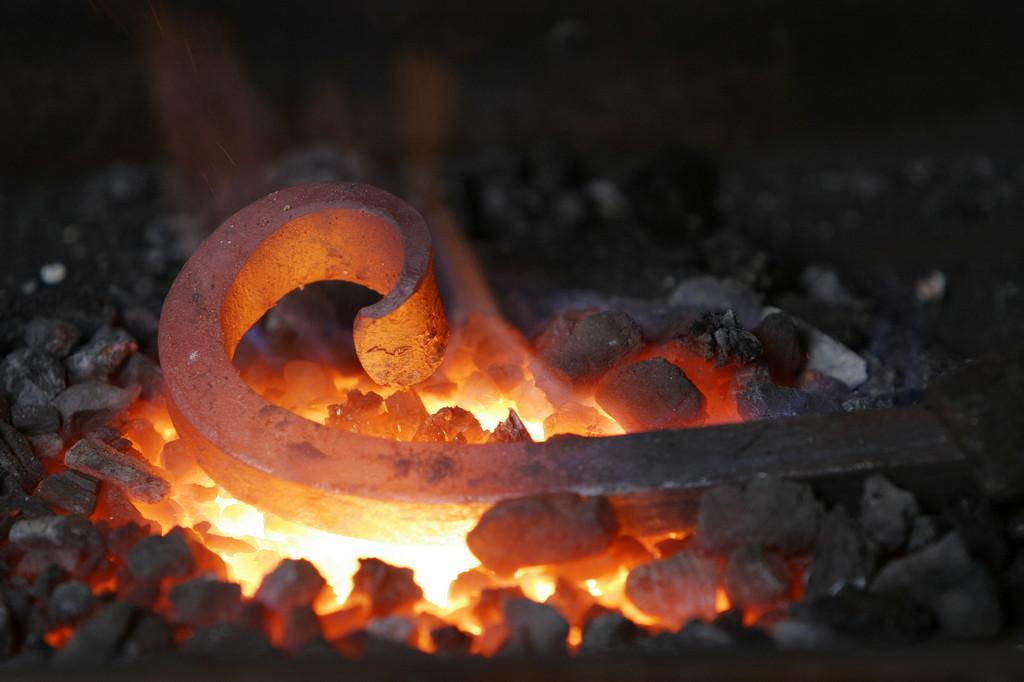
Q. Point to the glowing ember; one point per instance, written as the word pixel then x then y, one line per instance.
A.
pixel 252 541
pixel 488 372
pixel 483 378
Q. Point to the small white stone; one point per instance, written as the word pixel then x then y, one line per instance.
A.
pixel 828 356
pixel 193 356
pixel 53 273
pixel 931 288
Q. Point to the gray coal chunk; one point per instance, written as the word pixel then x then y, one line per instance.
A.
pixel 585 345
pixel 56 532
pixel 93 396
pixel 104 353
pixel 533 629
pixel 887 512
pixel 959 591
pixel 157 557
pixel 765 400
pixel 695 636
pixel 52 336
pixel 675 589
pixel 769 512
pixel 139 370
pixel 122 538
pixel 512 430
pixel 851 616
pixel 72 491
pixel 756 578
pixel 229 642
pixel 30 376
pixel 650 394
pixel 925 530
pixel 105 433
pixel 150 635
pixel 301 627
pixel 117 509
pixel 785 515
pixel 973 517
pixel 133 475
pixel 69 602
pixel 15 503
pixel 91 424
pixel 723 520
pixel 362 644
pixel 783 346
pixel 718 295
pixel 17 458
pixel 97 640
pixel 607 633
pixel 656 319
pixel 451 642
pixel 321 653
pixel 389 589
pixel 844 558
pixel 203 602
pixel 814 381
pixel 399 629
pixel 46 445
pixel 542 529
pixel 46 581
pixel 720 337
pixel 294 582
pixel 33 420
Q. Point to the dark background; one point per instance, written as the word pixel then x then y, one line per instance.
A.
pixel 728 76
pixel 185 104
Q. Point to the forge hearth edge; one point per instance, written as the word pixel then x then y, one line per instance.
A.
pixel 947 662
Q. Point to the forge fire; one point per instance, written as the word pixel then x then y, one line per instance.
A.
pixel 475 538
pixel 515 342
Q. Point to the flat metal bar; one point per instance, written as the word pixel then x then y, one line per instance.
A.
pixel 834 452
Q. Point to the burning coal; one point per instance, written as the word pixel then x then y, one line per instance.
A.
pixel 481 504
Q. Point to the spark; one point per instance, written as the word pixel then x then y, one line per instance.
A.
pixel 221 147
pixel 192 59
pixel 156 16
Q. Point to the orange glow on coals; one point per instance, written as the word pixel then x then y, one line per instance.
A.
pixel 488 371
pixel 483 377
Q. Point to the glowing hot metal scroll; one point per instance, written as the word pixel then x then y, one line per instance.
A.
pixel 387 490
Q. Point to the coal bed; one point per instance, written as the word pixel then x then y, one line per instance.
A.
pixel 322 374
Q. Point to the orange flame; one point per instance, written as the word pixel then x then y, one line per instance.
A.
pixel 476 377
